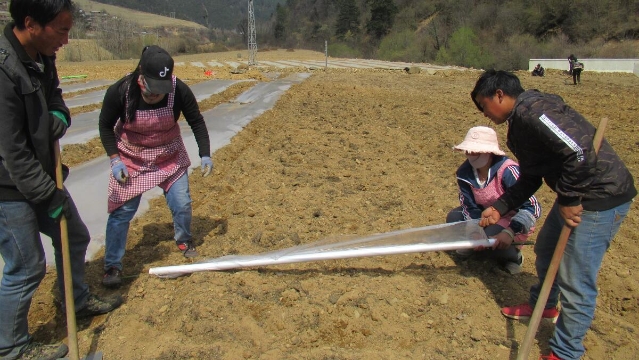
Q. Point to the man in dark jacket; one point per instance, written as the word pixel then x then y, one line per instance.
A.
pixel 34 117
pixel 554 143
pixel 575 69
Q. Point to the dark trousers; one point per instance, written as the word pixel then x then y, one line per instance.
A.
pixel 510 254
pixel 576 76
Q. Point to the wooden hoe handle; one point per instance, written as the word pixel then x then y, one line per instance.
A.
pixel 72 331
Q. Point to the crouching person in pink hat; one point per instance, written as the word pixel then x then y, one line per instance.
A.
pixel 482 179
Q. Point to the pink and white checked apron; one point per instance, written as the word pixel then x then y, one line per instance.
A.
pixel 493 190
pixel 152 149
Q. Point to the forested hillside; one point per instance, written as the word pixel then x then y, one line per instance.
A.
pixel 478 33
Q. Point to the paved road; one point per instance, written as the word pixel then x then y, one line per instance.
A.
pixel 88 182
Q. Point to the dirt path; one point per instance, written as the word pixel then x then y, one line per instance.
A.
pixel 350 152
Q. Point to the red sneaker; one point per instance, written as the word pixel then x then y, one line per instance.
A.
pixel 187 249
pixel 524 311
pixel 550 356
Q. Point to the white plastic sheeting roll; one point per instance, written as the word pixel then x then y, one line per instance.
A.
pixel 451 236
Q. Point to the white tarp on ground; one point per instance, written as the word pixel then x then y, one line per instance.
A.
pixel 453 236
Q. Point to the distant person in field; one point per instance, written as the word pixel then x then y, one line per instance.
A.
pixel 538 70
pixel 554 144
pixel 576 67
pixel 139 131
pixel 34 118
pixel 486 174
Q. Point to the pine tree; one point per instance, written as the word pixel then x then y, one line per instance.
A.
pixel 347 19
pixel 382 17
pixel 281 21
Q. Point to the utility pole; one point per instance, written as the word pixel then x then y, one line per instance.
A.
pixel 252 42
pixel 326 54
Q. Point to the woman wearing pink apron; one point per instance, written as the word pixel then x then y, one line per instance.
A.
pixel 140 133
pixel 482 178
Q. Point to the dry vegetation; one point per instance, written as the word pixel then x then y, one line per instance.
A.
pixel 143 19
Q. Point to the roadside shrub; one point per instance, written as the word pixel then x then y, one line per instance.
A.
pixel 515 53
pixel 626 49
pixel 463 50
pixel 343 51
pixel 400 46
pixel 211 47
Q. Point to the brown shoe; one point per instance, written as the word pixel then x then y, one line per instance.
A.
pixel 99 305
pixel 112 278
pixel 39 351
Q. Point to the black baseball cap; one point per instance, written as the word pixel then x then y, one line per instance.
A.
pixel 157 67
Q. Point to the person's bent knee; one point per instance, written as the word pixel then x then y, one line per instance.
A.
pixel 32 274
pixel 455 215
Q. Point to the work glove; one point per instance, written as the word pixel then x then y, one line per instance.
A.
pixel 120 173
pixel 59 205
pixel 207 165
pixel 58 124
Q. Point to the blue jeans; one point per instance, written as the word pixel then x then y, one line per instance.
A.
pixel 576 279
pixel 178 198
pixel 21 248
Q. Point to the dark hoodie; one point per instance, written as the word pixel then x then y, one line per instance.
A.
pixel 554 142
pixel 27 94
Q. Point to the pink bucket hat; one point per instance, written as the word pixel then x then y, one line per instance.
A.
pixel 480 139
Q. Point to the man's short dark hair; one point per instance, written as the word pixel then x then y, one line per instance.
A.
pixel 42 11
pixel 491 81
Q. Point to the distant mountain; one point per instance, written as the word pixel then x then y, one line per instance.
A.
pixel 224 14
